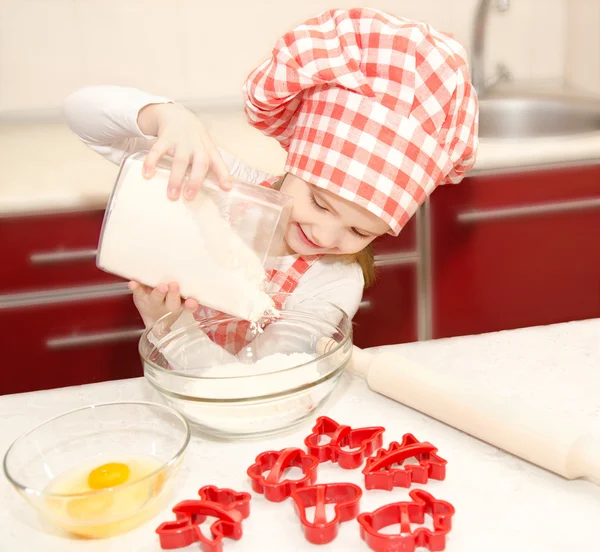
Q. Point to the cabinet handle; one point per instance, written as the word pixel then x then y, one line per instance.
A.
pixel 468 217
pixel 67 256
pixel 60 296
pixel 397 259
pixel 84 340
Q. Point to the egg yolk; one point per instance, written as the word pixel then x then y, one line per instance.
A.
pixel 108 475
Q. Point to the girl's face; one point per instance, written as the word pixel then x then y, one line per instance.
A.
pixel 324 223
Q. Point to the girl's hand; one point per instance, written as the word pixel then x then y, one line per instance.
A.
pixel 182 136
pixel 153 304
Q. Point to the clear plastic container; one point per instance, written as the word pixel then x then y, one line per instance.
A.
pixel 214 246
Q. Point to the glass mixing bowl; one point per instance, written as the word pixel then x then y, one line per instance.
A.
pixel 51 465
pixel 270 384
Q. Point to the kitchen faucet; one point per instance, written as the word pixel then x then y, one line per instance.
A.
pixel 478 61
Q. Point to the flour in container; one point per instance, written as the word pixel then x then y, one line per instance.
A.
pixel 151 239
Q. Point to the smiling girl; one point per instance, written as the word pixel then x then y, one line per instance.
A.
pixel 374 112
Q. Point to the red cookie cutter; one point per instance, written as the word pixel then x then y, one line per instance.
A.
pixel 229 507
pixel 276 462
pixel 363 442
pixel 380 474
pixel 227 498
pixel 406 513
pixel 345 496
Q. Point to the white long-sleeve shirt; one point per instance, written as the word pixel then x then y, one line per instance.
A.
pixel 105 119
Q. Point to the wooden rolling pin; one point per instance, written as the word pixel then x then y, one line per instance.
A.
pixel 514 428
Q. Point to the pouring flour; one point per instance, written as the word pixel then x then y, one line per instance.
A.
pixel 214 246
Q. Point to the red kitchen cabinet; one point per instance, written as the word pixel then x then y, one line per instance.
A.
pixel 50 251
pixel 515 250
pixel 388 312
pixel 63 321
pixel 69 341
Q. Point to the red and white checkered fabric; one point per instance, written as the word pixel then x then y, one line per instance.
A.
pixel 234 335
pixel 375 108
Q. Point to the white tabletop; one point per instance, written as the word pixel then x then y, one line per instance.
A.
pixel 502 503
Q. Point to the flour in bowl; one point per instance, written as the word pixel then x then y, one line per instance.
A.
pixel 267 365
pixel 272 374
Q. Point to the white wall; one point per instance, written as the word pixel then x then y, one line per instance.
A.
pixel 203 49
pixel 582 66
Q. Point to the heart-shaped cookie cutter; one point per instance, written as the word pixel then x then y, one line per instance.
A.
pixel 345 496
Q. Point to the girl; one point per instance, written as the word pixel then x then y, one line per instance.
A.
pixel 374 112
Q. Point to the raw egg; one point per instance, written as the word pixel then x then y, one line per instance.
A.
pixel 108 475
pixel 106 499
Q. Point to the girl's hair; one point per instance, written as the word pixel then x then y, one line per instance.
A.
pixel 366 261
pixel 364 258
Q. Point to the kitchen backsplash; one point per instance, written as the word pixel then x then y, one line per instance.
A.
pixel 201 50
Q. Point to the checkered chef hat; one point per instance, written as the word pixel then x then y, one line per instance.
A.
pixel 374 108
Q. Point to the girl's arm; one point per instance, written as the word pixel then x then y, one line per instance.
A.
pixel 105 118
pixel 115 121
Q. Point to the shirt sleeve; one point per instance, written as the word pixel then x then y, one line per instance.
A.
pixel 105 119
pixel 339 282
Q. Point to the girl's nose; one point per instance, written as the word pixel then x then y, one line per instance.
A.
pixel 326 236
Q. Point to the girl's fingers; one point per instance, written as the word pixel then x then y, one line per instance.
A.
pixel 191 305
pixel 200 164
pixel 219 167
pixel 156 153
pixel 173 300
pixel 158 294
pixel 139 290
pixel 181 160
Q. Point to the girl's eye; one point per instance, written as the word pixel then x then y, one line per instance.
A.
pixel 357 233
pixel 314 202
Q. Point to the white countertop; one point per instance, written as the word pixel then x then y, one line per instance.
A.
pixel 46 168
pixel 502 502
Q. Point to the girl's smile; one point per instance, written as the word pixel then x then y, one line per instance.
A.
pixel 306 239
pixel 321 222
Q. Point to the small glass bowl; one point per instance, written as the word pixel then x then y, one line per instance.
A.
pixel 228 400
pixel 47 465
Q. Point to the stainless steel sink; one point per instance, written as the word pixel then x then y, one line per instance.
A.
pixel 525 116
